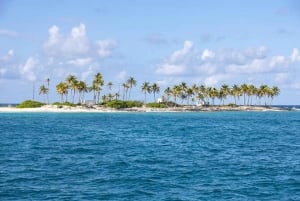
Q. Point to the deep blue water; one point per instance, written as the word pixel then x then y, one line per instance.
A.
pixel 150 156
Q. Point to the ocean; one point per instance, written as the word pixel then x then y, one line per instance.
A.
pixel 150 156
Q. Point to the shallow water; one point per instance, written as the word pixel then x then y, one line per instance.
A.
pixel 150 156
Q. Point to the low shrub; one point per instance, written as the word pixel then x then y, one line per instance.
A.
pixel 156 105
pixel 65 104
pixel 118 104
pixel 30 104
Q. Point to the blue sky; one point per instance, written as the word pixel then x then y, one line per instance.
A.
pixel 163 41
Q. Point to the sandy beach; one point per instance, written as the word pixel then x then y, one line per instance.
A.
pixel 78 109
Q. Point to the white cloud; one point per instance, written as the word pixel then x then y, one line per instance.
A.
pixel 206 55
pixel 8 56
pixel 207 68
pixel 180 54
pixel 178 61
pixel 216 79
pixel 170 69
pixel 295 55
pixel 280 61
pixel 105 47
pixel 29 69
pixel 87 73
pixel 75 44
pixel 256 52
pixel 80 61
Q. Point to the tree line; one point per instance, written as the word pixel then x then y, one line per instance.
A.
pixel 245 94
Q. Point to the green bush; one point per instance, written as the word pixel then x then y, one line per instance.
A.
pixel 156 105
pixel 118 104
pixel 131 104
pixel 30 104
pixel 232 105
pixel 64 104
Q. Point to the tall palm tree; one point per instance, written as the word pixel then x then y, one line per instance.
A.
pixel 203 95
pixel 72 84
pixel 275 91
pixel 195 90
pixel 263 91
pixel 189 94
pixel 251 92
pixel 224 92
pixel 98 82
pixel 236 93
pixel 213 94
pixel 125 90
pixel 43 91
pixel 155 89
pixel 48 86
pixel 244 88
pixel 146 88
pixel 109 85
pixel 82 89
pixel 176 92
pixel 183 91
pixel 131 83
pixel 117 95
pixel 62 89
pixel 168 93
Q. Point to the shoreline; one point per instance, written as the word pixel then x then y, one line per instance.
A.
pixel 96 109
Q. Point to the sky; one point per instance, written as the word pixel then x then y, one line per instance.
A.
pixel 158 41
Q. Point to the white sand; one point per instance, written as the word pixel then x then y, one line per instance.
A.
pixel 52 108
pixel 67 109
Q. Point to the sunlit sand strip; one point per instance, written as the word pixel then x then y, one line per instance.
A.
pixel 78 109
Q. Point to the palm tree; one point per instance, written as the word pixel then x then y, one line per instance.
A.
pixel 203 95
pixel 189 94
pixel 131 82
pixel 117 95
pixel 252 90
pixel 62 89
pixel 213 94
pixel 155 89
pixel 183 91
pixel 264 91
pixel 146 88
pixel 72 84
pixel 195 90
pixel 224 92
pixel 168 93
pixel 43 91
pixel 176 92
pixel 82 89
pixel 244 88
pixel 109 85
pixel 275 91
pixel 98 82
pixel 48 86
pixel 236 93
pixel 110 96
pixel 125 90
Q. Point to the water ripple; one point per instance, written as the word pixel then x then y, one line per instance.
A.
pixel 153 156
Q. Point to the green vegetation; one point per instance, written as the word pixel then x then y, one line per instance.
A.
pixel 65 104
pixel 156 105
pixel 118 104
pixel 30 104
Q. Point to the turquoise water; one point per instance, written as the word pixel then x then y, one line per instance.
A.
pixel 150 156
